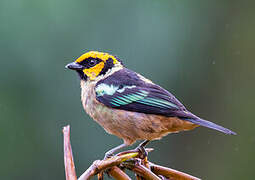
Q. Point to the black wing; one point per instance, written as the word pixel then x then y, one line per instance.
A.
pixel 126 90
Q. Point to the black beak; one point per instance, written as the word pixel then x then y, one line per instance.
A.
pixel 74 66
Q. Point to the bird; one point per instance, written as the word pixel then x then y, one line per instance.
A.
pixel 128 105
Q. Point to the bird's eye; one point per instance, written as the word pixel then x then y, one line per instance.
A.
pixel 92 62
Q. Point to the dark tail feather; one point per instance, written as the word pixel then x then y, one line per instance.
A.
pixel 211 125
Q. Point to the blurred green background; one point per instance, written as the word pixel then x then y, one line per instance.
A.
pixel 200 50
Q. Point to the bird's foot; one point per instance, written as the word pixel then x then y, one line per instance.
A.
pixel 142 151
pixel 108 155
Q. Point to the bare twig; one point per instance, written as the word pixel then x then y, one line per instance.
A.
pixel 100 175
pixel 128 159
pixel 134 151
pixel 171 173
pixel 117 173
pixel 138 168
pixel 68 155
pixel 138 177
pixel 99 166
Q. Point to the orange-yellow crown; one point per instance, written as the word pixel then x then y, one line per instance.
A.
pixel 101 67
pixel 95 54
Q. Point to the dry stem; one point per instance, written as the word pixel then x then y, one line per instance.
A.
pixel 68 155
pixel 126 160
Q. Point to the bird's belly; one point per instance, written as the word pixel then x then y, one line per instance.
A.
pixel 132 126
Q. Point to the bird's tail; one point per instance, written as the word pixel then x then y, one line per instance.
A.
pixel 211 125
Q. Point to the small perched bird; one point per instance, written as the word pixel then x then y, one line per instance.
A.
pixel 128 105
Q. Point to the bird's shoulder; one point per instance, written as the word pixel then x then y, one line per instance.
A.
pixel 125 76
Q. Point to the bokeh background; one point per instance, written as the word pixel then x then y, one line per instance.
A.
pixel 200 50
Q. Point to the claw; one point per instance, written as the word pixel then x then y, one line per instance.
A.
pixel 108 155
pixel 141 149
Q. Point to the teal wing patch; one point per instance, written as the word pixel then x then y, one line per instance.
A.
pixel 143 98
pixel 135 98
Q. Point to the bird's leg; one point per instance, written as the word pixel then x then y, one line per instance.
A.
pixel 141 148
pixel 111 152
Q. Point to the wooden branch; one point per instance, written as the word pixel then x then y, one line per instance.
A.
pixel 99 166
pixel 133 151
pixel 68 155
pixel 138 177
pixel 171 173
pixel 131 160
pixel 100 175
pixel 117 173
pixel 138 168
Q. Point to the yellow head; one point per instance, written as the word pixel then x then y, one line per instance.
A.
pixel 93 64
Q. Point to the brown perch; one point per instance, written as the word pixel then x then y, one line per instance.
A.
pixel 116 165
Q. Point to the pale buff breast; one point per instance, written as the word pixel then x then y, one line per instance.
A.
pixel 130 126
